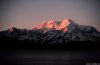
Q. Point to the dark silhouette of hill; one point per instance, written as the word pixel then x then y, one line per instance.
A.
pixel 77 37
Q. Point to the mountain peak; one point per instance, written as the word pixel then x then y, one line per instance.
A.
pixel 57 25
pixel 63 25
pixel 12 29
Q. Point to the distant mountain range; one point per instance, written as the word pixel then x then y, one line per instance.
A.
pixel 51 32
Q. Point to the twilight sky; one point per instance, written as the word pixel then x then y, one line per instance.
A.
pixel 29 13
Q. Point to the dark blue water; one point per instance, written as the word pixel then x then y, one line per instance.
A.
pixel 48 57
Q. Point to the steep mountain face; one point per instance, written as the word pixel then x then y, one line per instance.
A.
pixel 56 25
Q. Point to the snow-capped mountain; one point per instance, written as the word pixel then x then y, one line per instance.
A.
pixel 51 32
pixel 55 25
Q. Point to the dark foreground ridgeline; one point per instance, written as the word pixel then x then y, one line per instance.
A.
pixel 79 39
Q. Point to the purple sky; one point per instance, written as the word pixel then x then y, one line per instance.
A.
pixel 29 13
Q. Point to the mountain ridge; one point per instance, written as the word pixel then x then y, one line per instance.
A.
pixel 66 30
pixel 75 37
